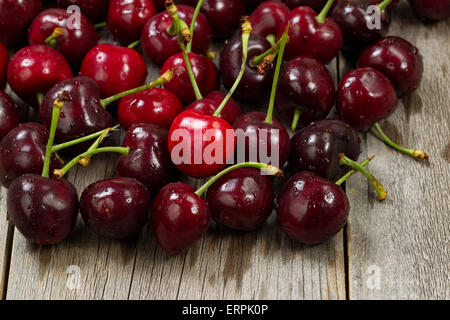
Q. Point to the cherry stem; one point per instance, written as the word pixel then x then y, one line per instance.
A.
pixel 284 39
pixel 51 40
pixel 272 39
pixel 40 97
pixel 415 153
pixel 65 145
pixel 373 181
pixel 384 4
pixel 246 31
pixel 267 168
pixel 164 78
pixel 272 51
pixel 134 44
pixel 100 25
pixel 323 14
pixel 194 19
pixel 352 172
pixel 297 114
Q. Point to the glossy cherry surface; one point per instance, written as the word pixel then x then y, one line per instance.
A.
pixel 159 46
pixel 126 18
pixel 179 217
pixel 261 134
pixel 4 58
pixel 9 117
pixel 15 17
pixel 253 86
pixel 365 96
pixel 115 69
pixel 74 43
pixel 204 70
pixel 242 199
pixel 95 10
pixel 316 148
pixel 316 5
pixel 35 69
pixel 398 60
pixel 311 209
pixel 308 37
pixel 431 9
pixel 44 210
pixel 116 207
pixel 268 17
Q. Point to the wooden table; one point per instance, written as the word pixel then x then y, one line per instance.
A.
pixel 399 248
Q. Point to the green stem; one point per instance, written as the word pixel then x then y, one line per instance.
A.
pixel 273 51
pixel 57 107
pixel 40 97
pixel 352 172
pixel 373 181
pixel 323 14
pixel 297 114
pixel 272 39
pixel 100 25
pixel 134 44
pixel 52 40
pixel 194 19
pixel 384 4
pixel 65 145
pixel 269 169
pixel 415 153
pixel 246 31
pixel 198 94
pixel 276 76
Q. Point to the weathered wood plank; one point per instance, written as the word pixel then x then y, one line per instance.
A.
pixel 400 248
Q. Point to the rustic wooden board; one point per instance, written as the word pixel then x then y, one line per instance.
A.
pixel 400 248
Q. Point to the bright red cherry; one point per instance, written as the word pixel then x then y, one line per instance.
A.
pixel 365 96
pixel 4 58
pixel 268 18
pixel 34 70
pixel 431 9
pixel 159 45
pixel 74 41
pixel 126 18
pixel 95 10
pixel 9 117
pixel 398 60
pixel 316 5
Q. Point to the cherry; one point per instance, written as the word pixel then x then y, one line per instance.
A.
pixel 93 9
pixel 34 70
pixel 241 199
pixel 4 58
pixel 316 5
pixel 204 70
pixel 268 17
pixel 149 158
pixel 114 68
pixel 159 45
pixel 157 106
pixel 316 148
pixel 9 117
pixel 431 9
pixel 397 59
pixel 126 18
pixel 15 17
pixel 115 208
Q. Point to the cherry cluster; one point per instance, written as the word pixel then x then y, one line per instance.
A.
pixel 276 55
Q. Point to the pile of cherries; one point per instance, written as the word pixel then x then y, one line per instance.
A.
pixel 52 60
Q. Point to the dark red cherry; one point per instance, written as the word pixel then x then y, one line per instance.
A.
pixel 75 41
pixel 4 58
pixel 159 46
pixel 242 199
pixel 316 148
pixel 316 5
pixel 95 10
pixel 365 96
pixel 205 73
pixel 311 209
pixel 179 217
pixel 253 86
pixel 114 68
pixel 34 70
pixel 431 9
pixel 15 17
pixel 309 37
pixel 115 208
pixel 398 60
pixel 126 18
pixel 149 159
pixel 9 117
pixel 157 106
pixel 268 18
pixel 261 134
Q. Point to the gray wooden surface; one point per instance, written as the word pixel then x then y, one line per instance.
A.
pixel 395 249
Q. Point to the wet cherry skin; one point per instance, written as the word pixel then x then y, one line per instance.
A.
pixel 95 10
pixel 159 46
pixel 365 96
pixel 205 73
pixel 311 209
pixel 316 5
pixel 44 210
pixel 316 148
pixel 35 69
pixel 126 18
pixel 307 37
pixel 431 9
pixel 115 208
pixel 155 105
pixel 398 60
pixel 271 134
pixel 9 117
pixel 73 44
pixel 179 217
pixel 115 69
pixel 4 58
pixel 268 17
pixel 242 199
pixel 15 17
